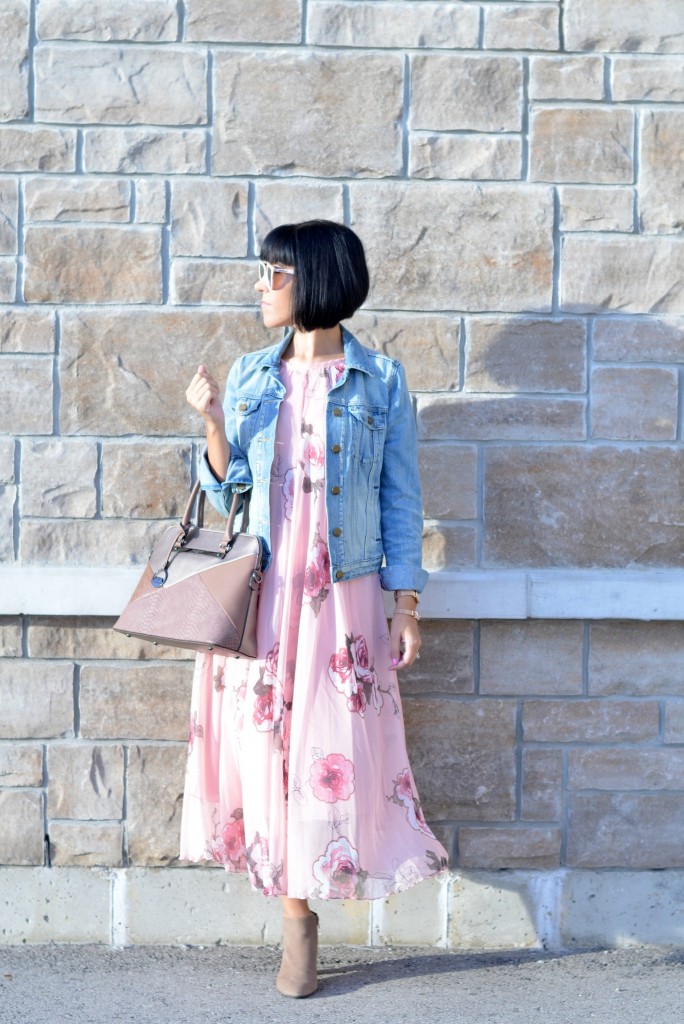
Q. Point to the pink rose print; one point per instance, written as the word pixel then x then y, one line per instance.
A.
pixel 263 709
pixel 354 677
pixel 332 778
pixel 227 844
pixel 195 730
pixel 361 651
pixel 317 574
pixel 265 876
pixel 314 451
pixel 272 660
pixel 218 679
pixel 338 871
pixel 403 796
pixel 288 493
pixel 268 703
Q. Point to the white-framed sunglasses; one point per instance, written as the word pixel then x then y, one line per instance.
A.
pixel 274 276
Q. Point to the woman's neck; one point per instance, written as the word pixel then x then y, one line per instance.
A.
pixel 315 346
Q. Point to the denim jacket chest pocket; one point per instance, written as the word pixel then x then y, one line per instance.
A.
pixel 367 429
pixel 247 419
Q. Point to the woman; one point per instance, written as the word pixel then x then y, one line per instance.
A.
pixel 297 765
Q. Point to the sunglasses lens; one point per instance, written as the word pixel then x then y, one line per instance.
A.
pixel 266 273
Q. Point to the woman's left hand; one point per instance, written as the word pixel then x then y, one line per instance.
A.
pixel 404 641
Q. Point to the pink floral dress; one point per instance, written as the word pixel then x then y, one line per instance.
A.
pixel 297 769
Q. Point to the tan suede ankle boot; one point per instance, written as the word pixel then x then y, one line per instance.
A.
pixel 297 976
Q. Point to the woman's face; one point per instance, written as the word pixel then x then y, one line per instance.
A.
pixel 276 301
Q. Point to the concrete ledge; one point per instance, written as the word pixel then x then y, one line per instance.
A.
pixel 485 594
pixel 552 910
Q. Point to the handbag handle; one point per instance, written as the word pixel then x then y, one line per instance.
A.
pixel 229 531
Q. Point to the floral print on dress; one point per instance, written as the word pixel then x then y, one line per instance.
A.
pixel 289 481
pixel 331 777
pixel 339 872
pixel 227 843
pixel 403 796
pixel 264 875
pixel 352 674
pixel 195 730
pixel 268 702
pixel 317 574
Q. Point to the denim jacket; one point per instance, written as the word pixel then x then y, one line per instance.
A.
pixel 372 496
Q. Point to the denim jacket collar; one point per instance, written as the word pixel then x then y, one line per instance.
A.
pixel 354 356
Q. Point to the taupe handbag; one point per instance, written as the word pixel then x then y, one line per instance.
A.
pixel 200 588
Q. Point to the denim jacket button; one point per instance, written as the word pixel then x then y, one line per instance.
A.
pixel 370 420
pixel 336 449
pixel 242 406
pixel 337 532
pixel 335 490
pixel 337 412
pixel 339 574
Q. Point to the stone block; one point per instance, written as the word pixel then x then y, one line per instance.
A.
pixel 521 26
pixel 144 150
pixel 635 658
pixel 200 906
pixel 23 378
pixel 630 404
pixel 285 202
pixel 21 836
pixel 584 208
pixel 21 764
pixel 406 235
pixel 531 657
pixel 252 137
pixel 213 21
pixel 26 330
pixel 416 916
pixel 43 905
pixel 24 148
pixel 625 830
pixel 463 757
pixel 608 909
pixel 85 845
pixel 449 547
pixel 674 722
pixel 89 542
pixel 208 218
pixel 661 186
pixel 489 911
pixel 654 79
pixel 7 474
pixel 84 639
pixel 484 418
pixel 8 279
pixel 92 264
pixel 470 157
pixel 127 20
pixel 568 77
pixel 14 59
pixel 449 477
pixel 145 397
pixel 582 144
pixel 150 201
pixel 85 781
pixel 36 699
pixel 446 659
pixel 655 26
pixel 494 849
pixel 106 84
pixel 398 25
pixel 8 497
pixel 541 797
pixel 452 92
pixel 639 339
pixel 521 354
pixel 10 637
pixel 9 212
pixel 145 481
pixel 427 346
pixel 135 702
pixel 206 281
pixel 583 507
pixel 589 721
pixel 58 478
pixel 76 199
pixel 615 769
pixel 155 780
pixel 644 274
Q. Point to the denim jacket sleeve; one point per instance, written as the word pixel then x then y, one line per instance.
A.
pixel 401 519
pixel 239 477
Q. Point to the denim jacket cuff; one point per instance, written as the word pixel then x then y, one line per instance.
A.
pixel 403 577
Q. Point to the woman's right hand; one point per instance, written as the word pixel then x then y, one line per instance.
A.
pixel 203 395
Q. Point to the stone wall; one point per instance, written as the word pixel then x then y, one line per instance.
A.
pixel 515 172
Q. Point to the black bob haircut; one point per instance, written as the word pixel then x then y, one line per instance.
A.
pixel 331 276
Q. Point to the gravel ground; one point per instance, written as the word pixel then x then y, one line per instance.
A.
pixel 404 985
